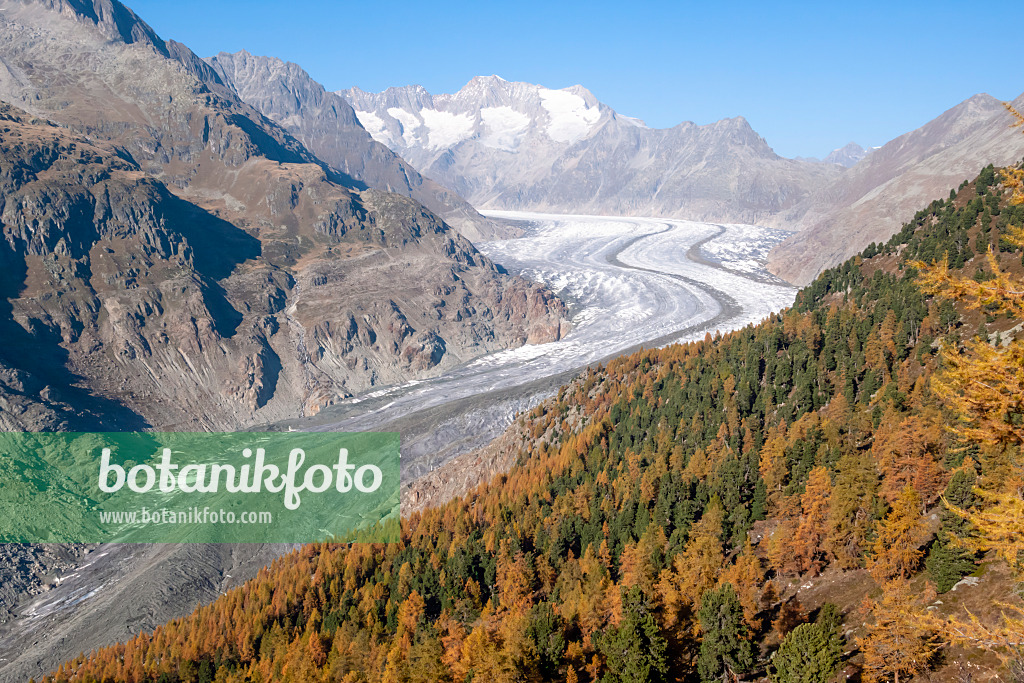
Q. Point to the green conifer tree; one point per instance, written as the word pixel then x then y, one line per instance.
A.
pixel 635 651
pixel 811 653
pixel 724 648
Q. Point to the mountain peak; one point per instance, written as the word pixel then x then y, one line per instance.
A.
pixel 977 106
pixel 847 155
pixel 581 91
pixel 118 23
pixel 486 80
pixel 982 98
pixel 484 84
pixel 112 18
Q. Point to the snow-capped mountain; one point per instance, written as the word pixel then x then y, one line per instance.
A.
pixel 511 145
pixel 500 114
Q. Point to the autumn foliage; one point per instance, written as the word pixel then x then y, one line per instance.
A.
pixel 661 503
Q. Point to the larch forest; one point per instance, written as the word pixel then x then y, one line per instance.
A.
pixel 798 500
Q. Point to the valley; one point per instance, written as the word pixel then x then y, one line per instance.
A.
pixel 629 282
pixel 679 397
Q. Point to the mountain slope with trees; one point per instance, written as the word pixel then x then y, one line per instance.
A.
pixel 674 506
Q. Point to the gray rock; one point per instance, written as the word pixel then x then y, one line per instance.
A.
pixel 846 156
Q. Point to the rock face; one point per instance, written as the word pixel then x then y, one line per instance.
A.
pixel 505 145
pixel 326 125
pixel 872 200
pixel 171 258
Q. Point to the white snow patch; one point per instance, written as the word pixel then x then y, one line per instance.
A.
pixel 503 127
pixel 446 129
pixel 409 123
pixel 571 118
pixel 632 120
pixel 375 126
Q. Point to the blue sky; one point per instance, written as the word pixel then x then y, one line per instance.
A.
pixel 808 77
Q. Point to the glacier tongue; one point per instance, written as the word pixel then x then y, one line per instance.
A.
pixel 630 282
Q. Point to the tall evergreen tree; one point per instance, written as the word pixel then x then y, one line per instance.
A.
pixel 809 654
pixel 724 648
pixel 635 650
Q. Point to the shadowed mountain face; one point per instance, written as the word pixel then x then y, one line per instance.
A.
pixel 325 123
pixel 174 259
pixel 88 252
pixel 521 146
pixel 875 197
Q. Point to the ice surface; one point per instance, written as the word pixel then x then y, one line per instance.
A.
pixel 744 247
pixel 409 123
pixel 571 118
pixel 503 127
pixel 630 282
pixel 375 126
pixel 446 129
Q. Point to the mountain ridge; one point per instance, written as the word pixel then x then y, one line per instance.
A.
pixel 869 202
pixel 520 146
pixel 325 123
pixel 337 289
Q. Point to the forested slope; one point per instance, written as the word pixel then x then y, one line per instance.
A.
pixel 654 528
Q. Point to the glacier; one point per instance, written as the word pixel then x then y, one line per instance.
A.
pixel 629 283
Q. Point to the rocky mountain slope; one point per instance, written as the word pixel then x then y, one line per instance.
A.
pixel 325 123
pixel 175 259
pixel 506 145
pixel 870 202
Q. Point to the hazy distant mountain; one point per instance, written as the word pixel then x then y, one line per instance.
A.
pixel 521 146
pixel 873 199
pixel 846 156
pixel 325 123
